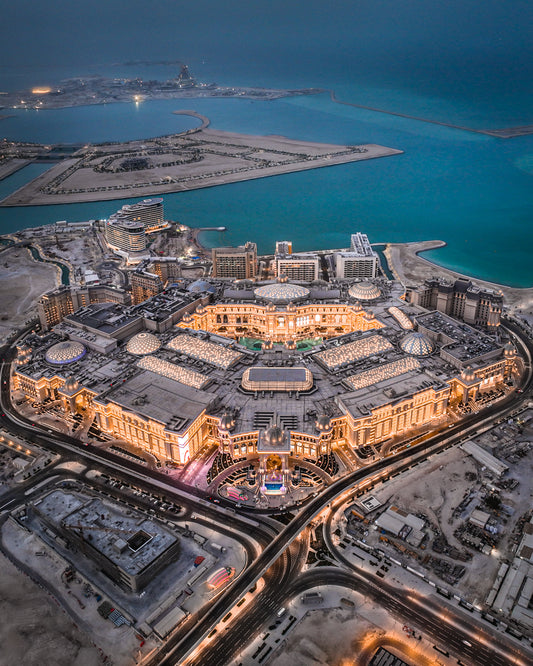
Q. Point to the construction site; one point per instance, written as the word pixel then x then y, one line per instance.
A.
pixel 107 562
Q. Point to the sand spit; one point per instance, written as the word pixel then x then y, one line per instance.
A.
pixel 410 268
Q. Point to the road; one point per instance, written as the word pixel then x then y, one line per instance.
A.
pixel 447 625
pixel 274 557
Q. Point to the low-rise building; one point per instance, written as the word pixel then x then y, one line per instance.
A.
pixel 130 548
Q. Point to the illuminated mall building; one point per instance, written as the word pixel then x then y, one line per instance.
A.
pixel 269 371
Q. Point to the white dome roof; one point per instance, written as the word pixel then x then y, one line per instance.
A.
pixel 68 351
pixel 143 343
pixel 281 291
pixel 417 344
pixel 364 291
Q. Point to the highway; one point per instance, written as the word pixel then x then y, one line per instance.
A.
pixel 277 562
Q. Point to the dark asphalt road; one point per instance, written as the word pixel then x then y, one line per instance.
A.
pixel 276 555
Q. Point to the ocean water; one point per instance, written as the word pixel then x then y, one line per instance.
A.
pixel 442 61
pixel 95 124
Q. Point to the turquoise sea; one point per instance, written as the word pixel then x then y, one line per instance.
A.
pixel 473 191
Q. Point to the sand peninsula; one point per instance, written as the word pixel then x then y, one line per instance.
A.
pixel 409 268
pixel 190 160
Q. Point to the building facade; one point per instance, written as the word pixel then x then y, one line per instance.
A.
pixel 144 285
pixel 126 238
pixel 238 263
pixel 460 299
pixel 54 306
pixel 299 267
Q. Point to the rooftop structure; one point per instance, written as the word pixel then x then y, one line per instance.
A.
pixel 173 371
pixel 513 589
pixel 400 316
pixel 346 353
pixel 385 658
pixel 485 458
pixel 65 352
pixel 417 344
pixel 215 354
pixel 107 319
pixel 143 343
pixel 382 372
pixel 200 286
pixel 129 547
pixel 149 213
pixel 364 291
pixel 396 521
pixel 281 292
pixel 461 344
pixel 277 379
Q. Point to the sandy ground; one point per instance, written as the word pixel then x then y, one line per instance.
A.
pixel 411 268
pixel 422 491
pixel 34 630
pixel 341 636
pixel 22 282
pixel 181 162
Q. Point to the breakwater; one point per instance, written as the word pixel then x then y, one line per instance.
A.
pixel 505 133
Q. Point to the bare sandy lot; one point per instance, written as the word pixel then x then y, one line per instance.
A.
pixel 34 630
pixel 22 282
pixel 340 636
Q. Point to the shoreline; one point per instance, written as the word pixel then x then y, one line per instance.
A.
pixel 415 268
pixel 193 237
pixel 408 267
pixel 93 92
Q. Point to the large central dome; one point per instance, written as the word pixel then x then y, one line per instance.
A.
pixel 281 292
